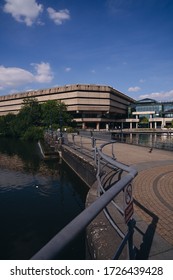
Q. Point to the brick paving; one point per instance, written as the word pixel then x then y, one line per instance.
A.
pixel 153 198
pixel 153 191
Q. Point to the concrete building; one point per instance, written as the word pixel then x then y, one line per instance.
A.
pixel 92 106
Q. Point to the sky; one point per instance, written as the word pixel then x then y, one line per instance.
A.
pixel 125 44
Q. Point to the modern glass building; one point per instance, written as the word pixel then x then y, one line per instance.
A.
pixel 150 113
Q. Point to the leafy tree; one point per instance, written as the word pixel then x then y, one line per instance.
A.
pixel 28 123
pixel 30 113
pixel 33 133
pixel 144 120
pixel 172 124
pixel 55 113
pixel 7 125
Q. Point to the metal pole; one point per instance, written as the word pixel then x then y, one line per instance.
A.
pixel 81 144
pixel 113 155
pixel 73 140
pixel 131 251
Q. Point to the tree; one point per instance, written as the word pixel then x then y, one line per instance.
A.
pixel 55 113
pixel 29 116
pixel 7 124
pixel 28 124
pixel 30 112
pixel 143 120
pixel 172 124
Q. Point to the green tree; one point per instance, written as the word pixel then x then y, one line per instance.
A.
pixel 55 113
pixel 144 120
pixel 7 125
pixel 30 112
pixel 29 116
pixel 172 124
pixel 29 122
pixel 33 133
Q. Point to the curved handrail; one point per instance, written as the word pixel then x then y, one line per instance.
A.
pixel 120 165
pixel 120 168
pixel 78 224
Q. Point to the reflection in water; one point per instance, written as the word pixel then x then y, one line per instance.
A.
pixel 37 199
pixel 161 141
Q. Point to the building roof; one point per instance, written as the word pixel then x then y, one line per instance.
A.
pixel 146 100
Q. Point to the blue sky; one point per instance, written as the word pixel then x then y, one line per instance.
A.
pixel 126 44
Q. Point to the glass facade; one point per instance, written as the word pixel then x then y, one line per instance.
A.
pixel 168 110
pixel 156 108
pixel 160 109
pixel 149 105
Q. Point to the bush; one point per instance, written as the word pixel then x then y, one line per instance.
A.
pixel 33 133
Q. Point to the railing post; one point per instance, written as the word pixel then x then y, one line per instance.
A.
pixel 81 144
pixel 131 250
pixel 113 155
pixel 93 144
pixel 73 140
pixel 97 162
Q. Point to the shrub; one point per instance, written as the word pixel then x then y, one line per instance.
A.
pixel 33 133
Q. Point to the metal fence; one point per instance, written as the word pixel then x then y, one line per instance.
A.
pixel 112 178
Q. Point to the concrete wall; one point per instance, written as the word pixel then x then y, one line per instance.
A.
pixel 86 98
pixel 82 167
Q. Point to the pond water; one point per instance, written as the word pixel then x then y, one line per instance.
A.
pixel 37 199
pixel 155 140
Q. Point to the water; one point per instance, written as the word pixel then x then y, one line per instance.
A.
pixel 155 140
pixel 37 199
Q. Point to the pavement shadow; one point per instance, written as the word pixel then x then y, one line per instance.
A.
pixel 148 235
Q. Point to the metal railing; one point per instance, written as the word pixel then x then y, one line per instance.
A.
pixel 112 178
pixel 109 173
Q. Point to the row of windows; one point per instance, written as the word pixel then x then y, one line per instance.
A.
pixel 159 109
pixel 156 108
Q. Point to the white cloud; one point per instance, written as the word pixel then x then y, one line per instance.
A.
pixel 13 76
pixel 163 95
pixel 142 81
pixel 23 11
pixel 134 89
pixel 58 16
pixel 44 73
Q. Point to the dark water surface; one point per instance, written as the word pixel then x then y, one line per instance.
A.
pixel 37 199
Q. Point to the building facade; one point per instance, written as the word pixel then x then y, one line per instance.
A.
pixel 98 107
pixel 150 113
pixel 92 106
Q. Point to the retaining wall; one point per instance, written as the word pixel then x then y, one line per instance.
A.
pixel 84 168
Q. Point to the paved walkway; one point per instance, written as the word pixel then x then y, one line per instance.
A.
pixel 153 202
pixel 153 197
